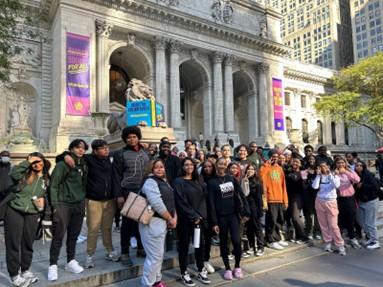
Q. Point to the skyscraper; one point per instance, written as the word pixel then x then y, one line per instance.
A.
pixel 367 16
pixel 319 31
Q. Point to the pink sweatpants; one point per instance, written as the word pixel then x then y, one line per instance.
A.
pixel 327 212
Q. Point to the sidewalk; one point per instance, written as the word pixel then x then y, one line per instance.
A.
pixel 107 272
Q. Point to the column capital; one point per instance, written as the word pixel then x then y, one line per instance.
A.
pixel 175 46
pixel 103 28
pixel 229 59
pixel 159 43
pixel 262 67
pixel 217 57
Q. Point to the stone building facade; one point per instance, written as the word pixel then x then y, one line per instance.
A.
pixel 211 64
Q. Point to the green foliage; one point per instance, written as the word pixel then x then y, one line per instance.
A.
pixel 17 22
pixel 358 97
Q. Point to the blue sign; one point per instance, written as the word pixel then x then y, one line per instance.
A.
pixel 139 111
pixel 160 114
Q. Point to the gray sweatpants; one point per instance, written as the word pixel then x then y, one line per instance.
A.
pixel 367 215
pixel 153 240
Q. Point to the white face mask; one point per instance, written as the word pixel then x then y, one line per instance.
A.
pixel 5 159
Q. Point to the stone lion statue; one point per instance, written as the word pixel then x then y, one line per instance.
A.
pixel 138 91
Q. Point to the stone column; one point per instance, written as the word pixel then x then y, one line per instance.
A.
pixel 160 92
pixel 229 96
pixel 252 102
pixel 175 101
pixel 264 112
pixel 103 31
pixel 218 93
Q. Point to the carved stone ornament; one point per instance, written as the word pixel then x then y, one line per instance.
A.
pixel 262 67
pixel 217 57
pixel 229 59
pixel 137 91
pixel 175 46
pixel 131 39
pixel 223 11
pixel 160 43
pixel 103 28
pixel 170 2
pixel 263 33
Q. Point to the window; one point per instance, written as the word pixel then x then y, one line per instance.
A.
pixel 346 137
pixel 287 98
pixel 333 133
pixel 320 132
pixel 303 101
pixel 305 131
pixel 289 126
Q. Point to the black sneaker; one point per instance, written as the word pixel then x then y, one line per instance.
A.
pixel 202 277
pixel 125 260
pixel 141 253
pixel 186 280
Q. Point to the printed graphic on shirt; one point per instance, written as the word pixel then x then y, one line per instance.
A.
pixel 275 175
pixel 227 189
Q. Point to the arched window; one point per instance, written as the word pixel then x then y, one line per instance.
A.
pixel 320 132
pixel 333 132
pixel 118 83
pixel 305 131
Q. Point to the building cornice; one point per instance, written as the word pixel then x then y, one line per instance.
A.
pixel 150 10
pixel 306 77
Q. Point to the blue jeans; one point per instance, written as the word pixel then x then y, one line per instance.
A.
pixel 367 216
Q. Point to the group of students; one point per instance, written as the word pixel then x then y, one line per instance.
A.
pixel 253 196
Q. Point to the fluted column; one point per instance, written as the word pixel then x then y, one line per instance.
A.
pixel 264 112
pixel 218 92
pixel 175 101
pixel 103 31
pixel 161 93
pixel 252 102
pixel 229 96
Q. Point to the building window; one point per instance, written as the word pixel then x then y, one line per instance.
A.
pixel 346 136
pixel 287 98
pixel 303 101
pixel 320 132
pixel 333 133
pixel 305 131
pixel 289 126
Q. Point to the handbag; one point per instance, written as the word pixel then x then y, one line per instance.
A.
pixel 137 208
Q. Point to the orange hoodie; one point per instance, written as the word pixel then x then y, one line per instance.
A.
pixel 274 183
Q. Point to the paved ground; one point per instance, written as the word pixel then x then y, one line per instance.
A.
pixel 309 267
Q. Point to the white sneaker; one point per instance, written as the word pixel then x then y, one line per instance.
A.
pixel 210 269
pixel 355 244
pixel 373 245
pixel 231 257
pixel 112 256
pixel 283 243
pixel 29 275
pixel 342 250
pixel 133 242
pixel 89 263
pixel 327 247
pixel 276 246
pixel 52 273
pixel 74 267
pixel 19 281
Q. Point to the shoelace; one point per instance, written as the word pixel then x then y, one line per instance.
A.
pixel 187 277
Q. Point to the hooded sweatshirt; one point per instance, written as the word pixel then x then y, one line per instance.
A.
pixel 327 185
pixel 274 184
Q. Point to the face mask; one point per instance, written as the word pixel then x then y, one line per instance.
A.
pixel 5 159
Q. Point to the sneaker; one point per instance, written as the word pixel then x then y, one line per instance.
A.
pixel 367 242
pixel 89 262
pixel 231 257
pixel 276 246
pixel 29 275
pixel 355 244
pixel 327 247
pixel 310 237
pixel 186 280
pixel 245 255
pixel 237 273
pixel 373 245
pixel 299 242
pixel 125 260
pixel 112 256
pixel 210 269
pixel 19 281
pixel 117 229
pixel 283 243
pixel 228 275
pixel 141 253
pixel 133 242
pixel 250 252
pixel 260 252
pixel 81 239
pixel 52 273
pixel 342 250
pixel 318 237
pixel 202 277
pixel 74 267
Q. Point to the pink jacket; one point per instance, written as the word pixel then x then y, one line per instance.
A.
pixel 347 180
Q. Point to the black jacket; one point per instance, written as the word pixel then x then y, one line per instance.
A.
pixel 190 198
pixel 294 183
pixel 5 178
pixel 224 193
pixel 254 198
pixel 369 189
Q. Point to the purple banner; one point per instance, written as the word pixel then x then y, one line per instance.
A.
pixel 77 75
pixel 279 119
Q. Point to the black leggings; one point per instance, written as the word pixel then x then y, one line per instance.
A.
pixel 229 224
pixel 346 217
pixel 254 228
pixel 185 230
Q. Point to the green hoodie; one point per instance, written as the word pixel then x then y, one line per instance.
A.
pixel 23 201
pixel 68 185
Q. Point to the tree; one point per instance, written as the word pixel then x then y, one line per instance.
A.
pixel 17 21
pixel 358 97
